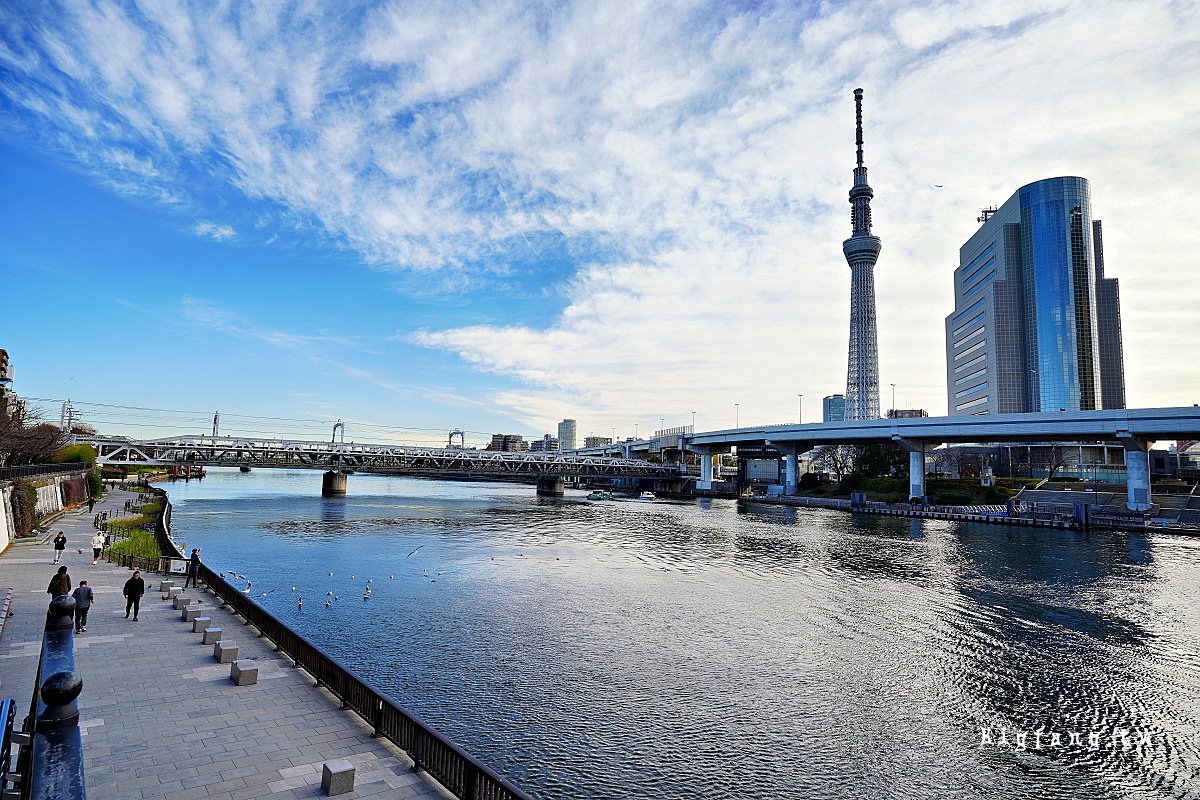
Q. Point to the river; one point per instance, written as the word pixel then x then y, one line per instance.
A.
pixel 633 649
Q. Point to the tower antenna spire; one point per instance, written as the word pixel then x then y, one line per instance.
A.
pixel 858 93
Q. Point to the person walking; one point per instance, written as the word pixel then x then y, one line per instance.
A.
pixel 97 546
pixel 60 544
pixel 91 504
pixel 83 601
pixel 135 587
pixel 60 583
pixel 193 576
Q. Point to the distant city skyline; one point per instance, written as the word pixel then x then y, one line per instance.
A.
pixel 385 215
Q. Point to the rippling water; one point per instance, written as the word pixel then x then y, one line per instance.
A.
pixel 694 650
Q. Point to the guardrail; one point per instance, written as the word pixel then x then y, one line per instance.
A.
pixel 36 470
pixel 449 764
pixel 51 763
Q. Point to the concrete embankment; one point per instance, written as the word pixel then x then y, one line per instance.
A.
pixel 52 493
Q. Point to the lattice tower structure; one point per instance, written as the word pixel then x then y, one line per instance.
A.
pixel 862 251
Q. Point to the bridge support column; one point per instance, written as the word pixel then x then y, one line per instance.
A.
pixel 916 475
pixel 791 473
pixel 706 471
pixel 550 486
pixel 1137 467
pixel 333 484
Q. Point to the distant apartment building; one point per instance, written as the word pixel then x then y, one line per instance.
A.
pixel 7 398
pixel 566 434
pixel 597 441
pixel 1036 325
pixel 833 408
pixel 907 413
pixel 508 443
pixel 546 444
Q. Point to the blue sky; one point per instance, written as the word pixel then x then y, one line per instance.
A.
pixel 492 216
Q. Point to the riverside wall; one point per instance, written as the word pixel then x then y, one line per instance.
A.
pixel 54 493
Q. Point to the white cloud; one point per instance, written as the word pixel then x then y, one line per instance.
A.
pixel 211 230
pixel 695 157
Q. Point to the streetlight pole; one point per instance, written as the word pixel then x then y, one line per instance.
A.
pixel 893 400
pixel 801 415
pixel 635 433
pixel 693 422
pixel 737 415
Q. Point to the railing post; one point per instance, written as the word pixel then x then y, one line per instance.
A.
pixel 57 764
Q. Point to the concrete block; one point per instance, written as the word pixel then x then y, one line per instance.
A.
pixel 166 585
pixel 174 591
pixel 191 612
pixel 201 624
pixel 181 601
pixel 212 635
pixel 337 777
pixel 225 652
pixel 244 672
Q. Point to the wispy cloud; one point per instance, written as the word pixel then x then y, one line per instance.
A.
pixel 693 157
pixel 211 230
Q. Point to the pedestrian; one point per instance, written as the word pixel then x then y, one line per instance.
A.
pixel 91 504
pixel 60 583
pixel 97 546
pixel 193 576
pixel 83 601
pixel 135 587
pixel 60 544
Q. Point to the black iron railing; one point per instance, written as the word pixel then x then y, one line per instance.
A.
pixel 51 765
pixel 449 764
pixel 34 470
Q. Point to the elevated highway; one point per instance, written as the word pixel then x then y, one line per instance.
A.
pixel 1133 428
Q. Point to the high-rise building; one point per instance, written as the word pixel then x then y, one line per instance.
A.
pixel 508 443
pixel 1036 325
pixel 833 408
pixel 862 251
pixel 566 434
pixel 546 444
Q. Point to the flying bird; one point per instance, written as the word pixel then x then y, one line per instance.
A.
pixel 411 554
pixel 264 594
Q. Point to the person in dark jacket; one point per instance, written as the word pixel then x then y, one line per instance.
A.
pixel 83 601
pixel 193 576
pixel 135 587
pixel 60 583
pixel 60 544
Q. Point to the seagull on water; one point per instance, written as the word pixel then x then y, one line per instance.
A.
pixel 264 594
pixel 300 603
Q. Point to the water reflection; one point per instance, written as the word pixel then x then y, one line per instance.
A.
pixel 694 650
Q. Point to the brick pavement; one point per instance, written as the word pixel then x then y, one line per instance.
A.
pixel 161 719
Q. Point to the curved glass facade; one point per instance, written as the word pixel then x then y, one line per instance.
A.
pixel 1060 294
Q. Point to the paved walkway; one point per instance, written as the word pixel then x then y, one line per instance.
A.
pixel 161 719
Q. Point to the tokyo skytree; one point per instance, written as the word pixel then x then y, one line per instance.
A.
pixel 862 250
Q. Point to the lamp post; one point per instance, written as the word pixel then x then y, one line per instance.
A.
pixel 893 400
pixel 662 424
pixel 737 415
pixel 635 433
pixel 800 416
pixel 693 422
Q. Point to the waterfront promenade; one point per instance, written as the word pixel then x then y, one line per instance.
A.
pixel 161 719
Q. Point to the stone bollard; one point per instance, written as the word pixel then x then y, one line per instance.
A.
pixel 191 613
pixel 166 585
pixel 200 624
pixel 212 635
pixel 337 777
pixel 174 591
pixel 180 601
pixel 225 652
pixel 244 672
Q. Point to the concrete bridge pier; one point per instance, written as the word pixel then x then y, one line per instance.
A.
pixel 1137 469
pixel 333 484
pixel 916 464
pixel 550 486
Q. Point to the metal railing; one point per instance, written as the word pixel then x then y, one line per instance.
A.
pixel 51 764
pixel 35 470
pixel 449 764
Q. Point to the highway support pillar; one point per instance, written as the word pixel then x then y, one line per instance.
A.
pixel 333 484
pixel 791 476
pixel 1137 468
pixel 916 466
pixel 550 486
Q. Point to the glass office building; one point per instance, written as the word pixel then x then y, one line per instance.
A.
pixel 1036 325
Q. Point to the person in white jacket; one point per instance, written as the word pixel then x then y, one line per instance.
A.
pixel 97 546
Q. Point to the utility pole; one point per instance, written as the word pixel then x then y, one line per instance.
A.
pixel 216 424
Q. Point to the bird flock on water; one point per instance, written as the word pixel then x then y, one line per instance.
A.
pixel 330 596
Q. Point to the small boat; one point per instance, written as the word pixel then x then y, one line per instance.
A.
pixel 600 494
pixel 647 496
pixel 244 468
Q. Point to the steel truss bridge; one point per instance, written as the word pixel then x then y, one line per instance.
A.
pixel 237 451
